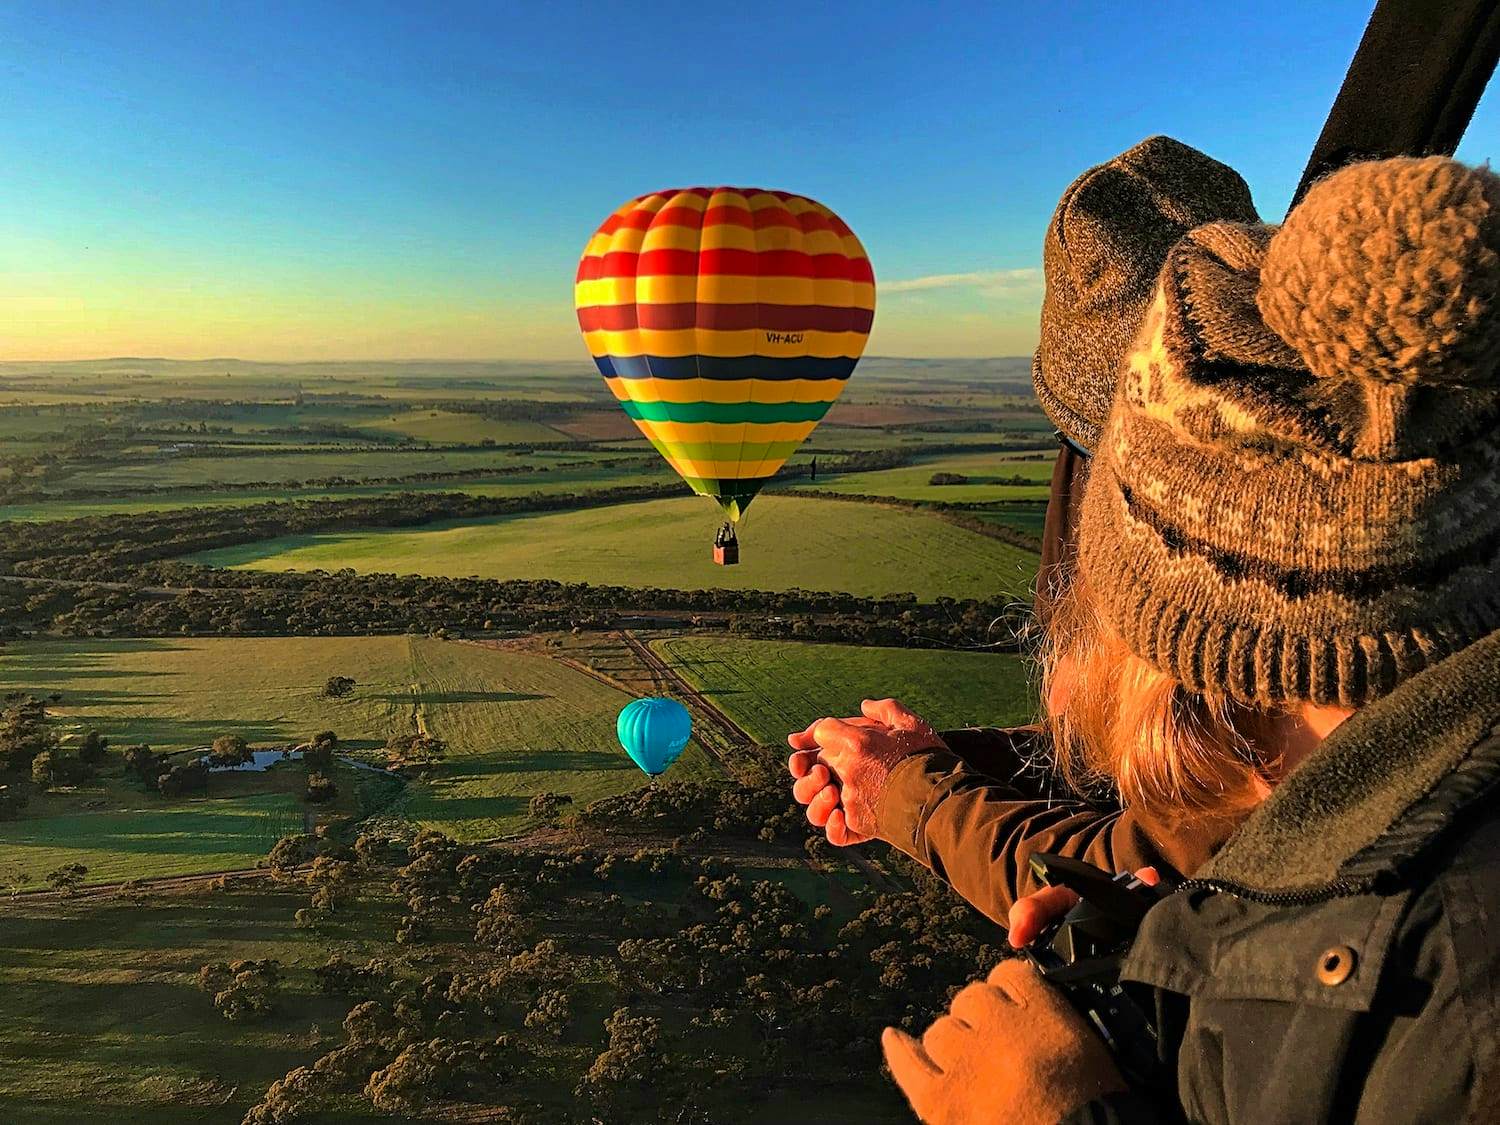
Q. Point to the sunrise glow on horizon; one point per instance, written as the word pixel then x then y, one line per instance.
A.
pixel 312 182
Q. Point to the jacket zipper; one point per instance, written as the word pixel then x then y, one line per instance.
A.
pixel 1339 888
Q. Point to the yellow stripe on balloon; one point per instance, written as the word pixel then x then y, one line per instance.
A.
pixel 725 236
pixel 675 289
pixel 732 431
pixel 724 390
pixel 715 470
pixel 699 341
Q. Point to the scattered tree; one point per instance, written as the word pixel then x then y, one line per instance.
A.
pixel 67 878
pixel 229 750
pixel 92 749
pixel 338 687
pixel 189 777
pixel 546 806
pixel 320 788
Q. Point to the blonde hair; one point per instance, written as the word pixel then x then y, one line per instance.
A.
pixel 1166 750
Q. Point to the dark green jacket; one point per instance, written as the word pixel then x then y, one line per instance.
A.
pixel 1339 958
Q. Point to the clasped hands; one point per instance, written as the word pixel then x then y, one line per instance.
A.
pixel 841 765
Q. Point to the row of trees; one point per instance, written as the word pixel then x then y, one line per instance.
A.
pixel 169 598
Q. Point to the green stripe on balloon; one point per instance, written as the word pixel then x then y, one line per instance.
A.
pixel 730 412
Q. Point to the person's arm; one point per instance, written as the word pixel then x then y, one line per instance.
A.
pixel 979 833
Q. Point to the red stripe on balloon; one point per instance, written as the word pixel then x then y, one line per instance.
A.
pixel 726 263
pixel 724 317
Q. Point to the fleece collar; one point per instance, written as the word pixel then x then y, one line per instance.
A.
pixel 1382 788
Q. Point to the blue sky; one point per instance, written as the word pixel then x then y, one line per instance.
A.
pixel 333 180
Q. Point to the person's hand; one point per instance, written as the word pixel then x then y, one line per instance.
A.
pixel 841 765
pixel 1010 1050
pixel 1038 910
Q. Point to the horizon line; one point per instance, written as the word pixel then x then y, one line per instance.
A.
pixel 424 359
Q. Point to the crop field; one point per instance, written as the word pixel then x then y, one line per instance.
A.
pixel 989 477
pixel 180 693
pixel 516 723
pixel 787 542
pixel 772 687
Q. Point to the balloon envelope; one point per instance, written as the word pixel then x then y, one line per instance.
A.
pixel 653 732
pixel 726 321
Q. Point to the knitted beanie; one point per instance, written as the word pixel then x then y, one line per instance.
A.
pixel 1297 493
pixel 1104 248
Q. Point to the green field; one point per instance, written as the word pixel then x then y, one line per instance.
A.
pixel 104 1020
pixel 519 723
pixel 786 542
pixel 556 479
pixel 989 476
pixel 445 426
pixel 165 470
pixel 516 723
pixel 772 687
pixel 156 838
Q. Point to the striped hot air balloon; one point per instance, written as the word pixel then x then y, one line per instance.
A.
pixel 726 321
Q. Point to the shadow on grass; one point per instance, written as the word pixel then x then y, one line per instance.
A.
pixel 542 761
pixel 195 830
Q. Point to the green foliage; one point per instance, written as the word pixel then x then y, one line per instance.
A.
pixel 547 806
pixel 321 788
pixel 24 731
pixel 338 687
pixel 414 752
pixel 67 878
pixel 180 780
pixel 551 1012
pixel 331 880
pixel 245 991
pixel 229 750
pixel 93 748
pixel 12 801
pixel 628 1074
pixel 292 851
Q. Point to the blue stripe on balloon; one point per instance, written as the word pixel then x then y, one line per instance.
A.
pixel 722 367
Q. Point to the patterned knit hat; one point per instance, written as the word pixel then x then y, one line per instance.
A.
pixel 1104 248
pixel 1297 494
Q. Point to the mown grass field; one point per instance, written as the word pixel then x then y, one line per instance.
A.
pixel 517 723
pixel 772 687
pixel 786 542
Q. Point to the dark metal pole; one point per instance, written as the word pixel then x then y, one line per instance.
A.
pixel 1412 86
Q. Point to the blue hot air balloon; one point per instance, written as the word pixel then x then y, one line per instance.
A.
pixel 653 731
